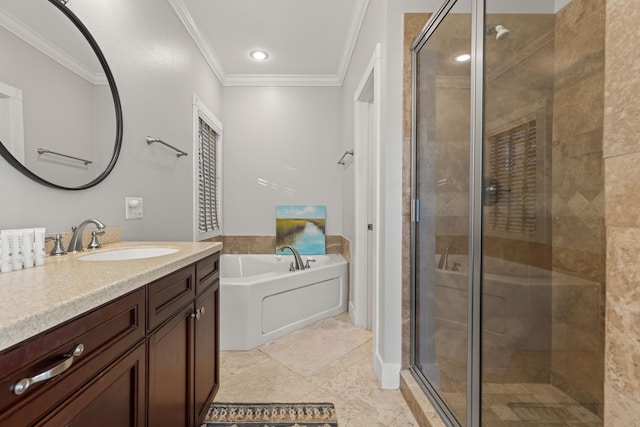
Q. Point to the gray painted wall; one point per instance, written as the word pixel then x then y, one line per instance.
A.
pixel 157 68
pixel 281 146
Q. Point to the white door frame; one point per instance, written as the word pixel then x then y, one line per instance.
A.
pixel 364 304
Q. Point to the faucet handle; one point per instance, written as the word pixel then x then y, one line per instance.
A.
pixel 57 250
pixel 94 239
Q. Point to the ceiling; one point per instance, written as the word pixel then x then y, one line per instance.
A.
pixel 309 41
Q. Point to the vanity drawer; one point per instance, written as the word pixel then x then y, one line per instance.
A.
pixel 207 272
pixel 168 295
pixel 105 333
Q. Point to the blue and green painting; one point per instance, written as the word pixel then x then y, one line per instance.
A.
pixel 301 227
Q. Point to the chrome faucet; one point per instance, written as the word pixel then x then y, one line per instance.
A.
pixel 75 245
pixel 298 264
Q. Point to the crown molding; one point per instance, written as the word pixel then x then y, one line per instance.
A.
pixel 199 39
pixel 17 27
pixel 357 17
pixel 212 58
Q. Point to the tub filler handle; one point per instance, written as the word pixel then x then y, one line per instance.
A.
pixel 308 261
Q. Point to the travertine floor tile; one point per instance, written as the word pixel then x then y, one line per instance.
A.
pixel 326 362
pixel 348 415
pixel 265 382
pixel 361 355
pixel 405 419
pixel 307 350
pixel 359 388
pixel 234 362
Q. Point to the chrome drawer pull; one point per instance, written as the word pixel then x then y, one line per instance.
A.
pixel 22 385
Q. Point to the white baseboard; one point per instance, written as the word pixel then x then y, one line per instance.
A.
pixel 388 374
pixel 352 312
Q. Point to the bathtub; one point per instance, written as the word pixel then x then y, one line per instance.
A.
pixel 519 321
pixel 261 300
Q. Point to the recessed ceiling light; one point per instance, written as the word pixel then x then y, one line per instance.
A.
pixel 259 55
pixel 463 58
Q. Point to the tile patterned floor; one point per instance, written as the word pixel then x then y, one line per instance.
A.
pixel 329 361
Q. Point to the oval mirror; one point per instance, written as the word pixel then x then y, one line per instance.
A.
pixel 60 113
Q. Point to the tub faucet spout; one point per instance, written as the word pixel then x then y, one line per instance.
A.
pixel 443 264
pixel 299 265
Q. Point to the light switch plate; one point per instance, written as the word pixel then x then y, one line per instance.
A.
pixel 133 208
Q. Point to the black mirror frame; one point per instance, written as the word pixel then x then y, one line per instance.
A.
pixel 116 101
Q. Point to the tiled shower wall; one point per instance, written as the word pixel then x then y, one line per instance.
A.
pixel 577 207
pixel 570 87
pixel 622 205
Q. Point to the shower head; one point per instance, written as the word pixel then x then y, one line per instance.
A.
pixel 500 31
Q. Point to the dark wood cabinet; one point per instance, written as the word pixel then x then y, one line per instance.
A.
pixel 104 333
pixel 148 358
pixel 183 363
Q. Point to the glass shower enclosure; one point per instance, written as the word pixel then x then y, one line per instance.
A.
pixel 507 212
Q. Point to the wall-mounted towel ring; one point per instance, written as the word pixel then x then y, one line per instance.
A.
pixel 342 159
pixel 151 140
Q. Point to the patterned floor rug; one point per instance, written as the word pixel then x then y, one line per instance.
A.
pixel 271 415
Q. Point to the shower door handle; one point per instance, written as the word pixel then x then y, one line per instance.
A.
pixel 492 189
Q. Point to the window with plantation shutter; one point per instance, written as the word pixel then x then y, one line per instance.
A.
pixel 513 166
pixel 208 182
pixel 208 173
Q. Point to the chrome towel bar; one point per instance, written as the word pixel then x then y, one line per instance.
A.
pixel 151 140
pixel 43 151
pixel 342 159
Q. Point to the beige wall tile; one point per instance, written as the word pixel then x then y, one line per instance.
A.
pixel 622 85
pixel 622 198
pixel 623 316
pixel 267 244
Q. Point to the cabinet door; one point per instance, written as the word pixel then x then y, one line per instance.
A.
pixel 206 348
pixel 171 371
pixel 115 398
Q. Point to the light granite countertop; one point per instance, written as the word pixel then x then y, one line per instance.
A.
pixel 35 299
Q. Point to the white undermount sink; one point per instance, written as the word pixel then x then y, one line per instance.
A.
pixel 129 253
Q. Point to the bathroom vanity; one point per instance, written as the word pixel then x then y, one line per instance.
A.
pixel 113 343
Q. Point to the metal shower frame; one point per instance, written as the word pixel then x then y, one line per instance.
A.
pixel 475 215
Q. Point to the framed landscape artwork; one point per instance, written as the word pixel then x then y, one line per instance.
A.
pixel 302 227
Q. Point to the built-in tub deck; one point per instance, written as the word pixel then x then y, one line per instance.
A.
pixel 262 300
